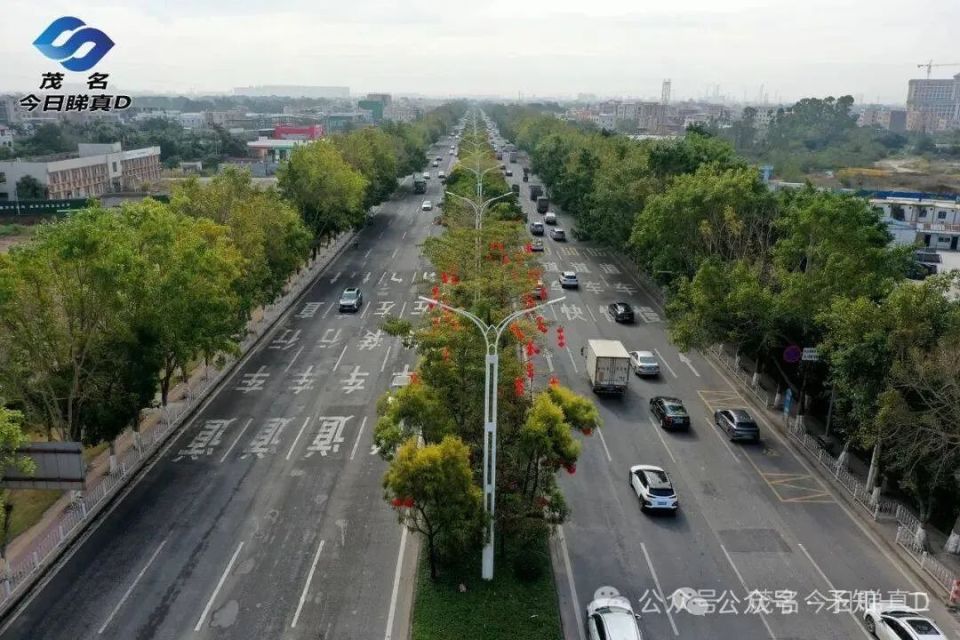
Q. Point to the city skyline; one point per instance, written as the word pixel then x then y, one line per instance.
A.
pixel 538 49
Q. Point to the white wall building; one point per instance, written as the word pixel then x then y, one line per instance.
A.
pixel 6 137
pixel 936 223
pixel 193 120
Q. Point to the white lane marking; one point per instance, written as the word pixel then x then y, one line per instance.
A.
pixel 299 433
pixel 570 353
pixel 604 443
pixel 549 358
pixel 743 582
pixel 340 358
pixel 366 308
pixel 357 442
pixel 328 310
pixel 381 233
pixel 604 281
pixel 686 360
pixel 213 596
pixel 294 359
pixel 553 310
pixel 367 254
pixel 830 584
pixel 306 585
pixel 573 588
pixel 394 254
pixel 590 311
pixel 404 236
pixel 657 429
pixel 131 587
pixel 396 586
pixel 336 277
pixel 666 364
pixel 656 581
pixel 383 366
pixel 239 435
pixel 382 276
pixel 723 441
pixel 893 560
pixel 403 308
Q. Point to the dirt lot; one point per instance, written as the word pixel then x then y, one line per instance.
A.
pixel 8 241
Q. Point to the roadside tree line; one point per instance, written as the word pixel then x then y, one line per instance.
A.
pixel 762 271
pixel 108 308
pixel 431 431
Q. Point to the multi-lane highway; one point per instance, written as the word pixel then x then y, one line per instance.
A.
pixel 753 518
pixel 265 517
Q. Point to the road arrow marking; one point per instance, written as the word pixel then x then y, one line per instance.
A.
pixel 685 360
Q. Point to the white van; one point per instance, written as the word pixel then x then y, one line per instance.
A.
pixel 550 217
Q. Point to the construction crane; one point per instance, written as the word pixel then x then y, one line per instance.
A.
pixel 929 66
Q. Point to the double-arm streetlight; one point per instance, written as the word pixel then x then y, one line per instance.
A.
pixel 491 336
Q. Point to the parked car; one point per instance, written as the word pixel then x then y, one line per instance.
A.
pixel 558 234
pixel 737 424
pixel 890 621
pixel 653 488
pixel 508 173
pixel 568 280
pixel 621 312
pixel 427 205
pixel 550 217
pixel 610 617
pixel 670 412
pixel 644 363
pixel 536 228
pixel 537 244
pixel 351 299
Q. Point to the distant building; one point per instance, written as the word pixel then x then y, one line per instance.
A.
pixel 891 119
pixel 933 103
pixel 293 91
pixel 335 122
pixel 627 111
pixel 6 137
pixel 385 98
pixel 96 170
pixel 400 113
pixel 935 223
pixel 9 113
pixel 650 115
pixel 286 132
pixel 193 121
pixel 605 120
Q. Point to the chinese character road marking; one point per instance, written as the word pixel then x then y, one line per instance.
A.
pixel 330 337
pixel 567 251
pixel 355 382
pixel 429 276
pixel 419 307
pixel 287 340
pixel 309 310
pixel 605 313
pixel 647 314
pixel 597 253
pixel 206 440
pixel 594 287
pixel 550 266
pixel 267 440
pixel 303 381
pixel 609 268
pixel 572 312
pixel 384 307
pixel 579 267
pixel 253 381
pixel 329 436
pixel 623 287
pixel 395 278
pixel 371 340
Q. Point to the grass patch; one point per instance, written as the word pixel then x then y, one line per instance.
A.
pixel 29 506
pixel 504 608
pixel 16 230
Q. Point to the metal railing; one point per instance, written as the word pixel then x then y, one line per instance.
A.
pixel 24 570
pixel 934 568
pixel 732 365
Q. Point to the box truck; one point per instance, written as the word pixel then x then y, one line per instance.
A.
pixel 608 366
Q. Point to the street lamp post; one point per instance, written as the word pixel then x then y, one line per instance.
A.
pixel 490 382
pixel 478 211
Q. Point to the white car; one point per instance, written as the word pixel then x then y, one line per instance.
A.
pixel 427 205
pixel 652 485
pixel 426 175
pixel 441 174
pixel 644 363
pixel 610 617
pixel 890 621
pixel 568 280
pixel 550 217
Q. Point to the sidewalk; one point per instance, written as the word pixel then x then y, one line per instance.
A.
pixel 36 548
pixel 890 521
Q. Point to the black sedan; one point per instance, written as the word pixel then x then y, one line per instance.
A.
pixel 670 412
pixel 621 312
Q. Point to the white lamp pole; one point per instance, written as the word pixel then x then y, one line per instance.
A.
pixel 490 383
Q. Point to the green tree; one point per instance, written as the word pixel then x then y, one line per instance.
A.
pixel 325 189
pixel 372 153
pixel 12 437
pixel 29 188
pixel 433 489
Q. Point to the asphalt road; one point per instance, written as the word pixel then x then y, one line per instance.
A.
pixel 265 517
pixel 753 518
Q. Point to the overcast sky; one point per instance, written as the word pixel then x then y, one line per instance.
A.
pixel 867 48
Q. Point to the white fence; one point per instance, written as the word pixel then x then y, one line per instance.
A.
pixel 945 577
pixel 24 570
pixel 750 382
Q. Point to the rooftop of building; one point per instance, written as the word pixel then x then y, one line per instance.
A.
pixel 946 204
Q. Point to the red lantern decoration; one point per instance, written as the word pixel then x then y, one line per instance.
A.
pixel 571 467
pixel 530 370
pixel 414 378
pixel 541 324
pixel 587 431
pixel 408 503
pixel 554 381
pixel 444 278
pixel 397 503
pixel 519 387
pixel 435 292
pixel 454 279
pixel 530 349
pixel 528 248
pixel 561 338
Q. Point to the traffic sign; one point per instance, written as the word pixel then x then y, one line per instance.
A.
pixel 792 354
pixel 810 354
pixel 787 401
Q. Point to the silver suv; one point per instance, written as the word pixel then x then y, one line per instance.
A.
pixel 351 299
